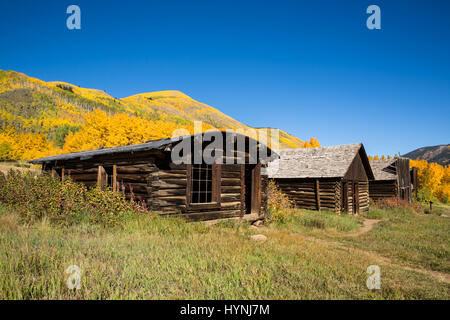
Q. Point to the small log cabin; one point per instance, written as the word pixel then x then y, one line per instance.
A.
pixel 147 173
pixel 392 179
pixel 329 178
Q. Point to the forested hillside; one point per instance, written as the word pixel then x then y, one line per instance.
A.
pixel 39 118
pixel 439 154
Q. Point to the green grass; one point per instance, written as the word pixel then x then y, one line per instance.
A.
pixel 312 222
pixel 440 209
pixel 414 239
pixel 150 257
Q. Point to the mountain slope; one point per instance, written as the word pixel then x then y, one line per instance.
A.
pixel 54 109
pixel 439 154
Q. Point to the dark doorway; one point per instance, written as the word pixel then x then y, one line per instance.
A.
pixel 248 187
pixel 252 188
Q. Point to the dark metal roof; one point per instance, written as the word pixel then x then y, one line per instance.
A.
pixel 150 145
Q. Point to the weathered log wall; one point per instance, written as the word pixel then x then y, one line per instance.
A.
pixel 350 201
pixel 170 193
pixel 363 196
pixel 305 194
pixel 133 180
pixel 382 189
pixel 165 190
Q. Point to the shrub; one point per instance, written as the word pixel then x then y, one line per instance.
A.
pixel 425 195
pixel 279 207
pixel 36 197
pixel 5 150
pixel 65 87
pixel 395 203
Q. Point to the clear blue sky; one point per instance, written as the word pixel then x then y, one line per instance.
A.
pixel 311 68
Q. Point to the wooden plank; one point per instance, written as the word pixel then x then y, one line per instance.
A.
pixel 165 185
pixel 170 192
pixel 317 191
pixel 62 174
pixel 216 182
pixel 54 173
pixel 99 175
pixel 102 177
pixel 231 174
pixel 231 205
pixel 231 182
pixel 231 189
pixel 256 190
pixel 230 197
pixel 88 176
pixel 201 216
pixel 242 189
pixel 164 175
pixel 188 184
pixel 114 186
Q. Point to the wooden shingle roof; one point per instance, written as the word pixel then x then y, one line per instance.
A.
pixel 324 162
pixel 384 169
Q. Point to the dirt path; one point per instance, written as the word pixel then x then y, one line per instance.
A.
pixel 368 225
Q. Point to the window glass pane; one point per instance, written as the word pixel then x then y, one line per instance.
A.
pixel 201 187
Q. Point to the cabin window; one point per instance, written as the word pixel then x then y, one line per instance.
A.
pixel 202 182
pixel 204 185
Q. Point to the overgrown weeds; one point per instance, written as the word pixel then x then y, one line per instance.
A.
pixel 279 208
pixel 396 203
pixel 35 197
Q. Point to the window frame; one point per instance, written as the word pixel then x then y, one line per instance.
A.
pixel 216 180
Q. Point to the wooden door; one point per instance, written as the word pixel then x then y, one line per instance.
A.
pixel 344 196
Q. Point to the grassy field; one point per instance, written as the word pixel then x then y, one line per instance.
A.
pixel 5 166
pixel 411 239
pixel 309 256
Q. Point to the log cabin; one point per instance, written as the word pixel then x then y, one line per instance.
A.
pixel 392 179
pixel 332 178
pixel 147 173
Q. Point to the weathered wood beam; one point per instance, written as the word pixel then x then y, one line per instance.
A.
pixel 101 177
pixel 114 186
pixel 318 194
